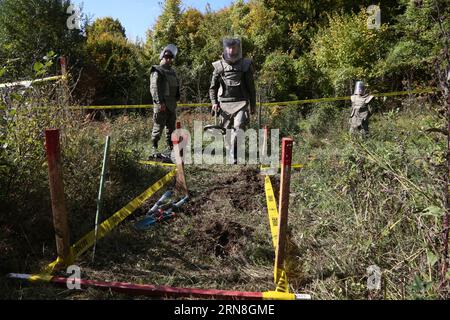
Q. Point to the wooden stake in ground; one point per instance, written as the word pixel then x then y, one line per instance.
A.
pixel 264 149
pixel 65 79
pixel 180 184
pixel 60 222
pixel 259 113
pixel 286 163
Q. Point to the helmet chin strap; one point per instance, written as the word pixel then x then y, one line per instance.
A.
pixel 231 60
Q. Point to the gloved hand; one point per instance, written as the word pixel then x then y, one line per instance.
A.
pixel 215 110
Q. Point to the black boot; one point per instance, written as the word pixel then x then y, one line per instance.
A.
pixel 154 149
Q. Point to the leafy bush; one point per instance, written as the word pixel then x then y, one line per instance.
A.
pixel 347 50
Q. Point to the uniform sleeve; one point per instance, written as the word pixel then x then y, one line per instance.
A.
pixel 155 88
pixel 214 87
pixel 250 84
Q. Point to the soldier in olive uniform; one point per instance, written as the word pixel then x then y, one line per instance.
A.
pixel 361 111
pixel 232 92
pixel 165 91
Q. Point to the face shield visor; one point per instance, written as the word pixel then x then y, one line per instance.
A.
pixel 232 49
pixel 360 88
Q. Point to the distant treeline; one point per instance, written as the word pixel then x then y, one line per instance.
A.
pixel 301 49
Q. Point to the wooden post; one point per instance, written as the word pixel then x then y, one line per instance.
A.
pixel 266 141
pixel 180 184
pixel 180 138
pixel 259 113
pixel 286 162
pixel 65 80
pixel 63 63
pixel 57 195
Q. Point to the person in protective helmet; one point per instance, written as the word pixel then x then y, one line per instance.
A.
pixel 359 118
pixel 232 92
pixel 165 91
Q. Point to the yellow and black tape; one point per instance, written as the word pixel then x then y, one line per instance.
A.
pixel 264 104
pixel 280 276
pixel 104 228
pixel 332 99
pixel 294 166
pixel 30 82
pixel 272 210
pixel 156 163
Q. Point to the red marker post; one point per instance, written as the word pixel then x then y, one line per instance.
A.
pixel 63 63
pixel 286 163
pixel 60 221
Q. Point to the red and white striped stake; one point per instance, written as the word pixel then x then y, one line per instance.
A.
pixel 162 291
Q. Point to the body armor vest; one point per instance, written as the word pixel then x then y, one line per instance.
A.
pixel 169 81
pixel 359 104
pixel 232 86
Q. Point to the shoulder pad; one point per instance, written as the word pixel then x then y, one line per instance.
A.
pixel 369 98
pixel 218 66
pixel 246 63
pixel 157 69
pixel 353 98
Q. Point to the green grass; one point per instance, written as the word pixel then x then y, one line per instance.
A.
pixel 356 203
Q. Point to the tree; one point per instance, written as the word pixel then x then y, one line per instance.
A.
pixel 347 50
pixel 113 62
pixel 421 42
pixel 107 25
pixel 166 27
pixel 278 76
pixel 30 29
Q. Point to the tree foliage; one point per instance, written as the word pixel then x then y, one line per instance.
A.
pixel 30 29
pixel 348 50
pixel 299 48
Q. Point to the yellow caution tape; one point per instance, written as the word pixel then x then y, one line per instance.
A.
pixel 103 229
pixel 40 278
pixel 60 262
pixel 264 104
pixel 332 99
pixel 30 82
pixel 280 276
pixel 113 107
pixel 273 295
pixel 294 166
pixel 155 163
pixel 272 211
pixel 281 280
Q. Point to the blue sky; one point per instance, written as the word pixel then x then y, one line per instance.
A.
pixel 137 16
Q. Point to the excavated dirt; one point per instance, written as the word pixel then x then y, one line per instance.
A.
pixel 240 189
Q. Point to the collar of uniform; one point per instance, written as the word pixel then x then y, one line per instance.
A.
pixel 230 62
